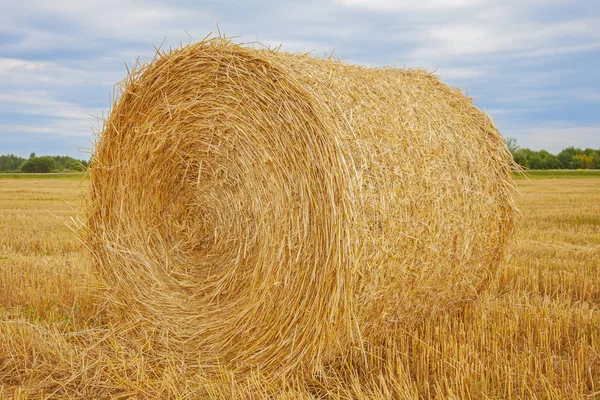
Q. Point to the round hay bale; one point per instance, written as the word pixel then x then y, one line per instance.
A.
pixel 270 210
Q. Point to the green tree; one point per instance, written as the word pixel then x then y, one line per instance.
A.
pixel 584 161
pixel 568 158
pixel 10 162
pixel 512 144
pixel 73 165
pixel 596 160
pixel 69 163
pixel 549 161
pixel 537 159
pixel 39 165
pixel 522 157
pixel 592 158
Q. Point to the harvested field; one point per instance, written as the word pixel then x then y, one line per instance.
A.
pixel 536 334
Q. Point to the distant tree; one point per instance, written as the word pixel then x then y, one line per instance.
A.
pixel 534 161
pixel 512 144
pixel 69 163
pixel 32 155
pixel 39 165
pixel 10 163
pixel 584 161
pixel 549 161
pixel 74 165
pixel 593 158
pixel 568 158
pixel 576 162
pixel 596 160
pixel 537 159
pixel 522 157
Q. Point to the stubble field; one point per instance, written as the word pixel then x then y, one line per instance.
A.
pixel 534 334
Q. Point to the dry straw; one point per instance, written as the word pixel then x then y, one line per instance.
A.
pixel 259 209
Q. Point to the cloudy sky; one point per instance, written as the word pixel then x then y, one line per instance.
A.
pixel 534 65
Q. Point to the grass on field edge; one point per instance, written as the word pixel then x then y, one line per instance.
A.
pixel 557 173
pixel 51 175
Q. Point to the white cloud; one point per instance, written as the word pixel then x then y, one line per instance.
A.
pixel 29 38
pixel 41 103
pixel 16 71
pixel 591 97
pixel 408 5
pixel 493 112
pixel 122 20
pixel 462 73
pixel 519 37
pixel 49 116
pixel 66 128
pixel 299 46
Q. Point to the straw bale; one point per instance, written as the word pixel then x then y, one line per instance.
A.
pixel 285 212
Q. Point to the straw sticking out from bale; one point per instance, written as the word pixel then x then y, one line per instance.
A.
pixel 278 211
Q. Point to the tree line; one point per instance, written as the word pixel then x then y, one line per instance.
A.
pixel 569 158
pixel 13 163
